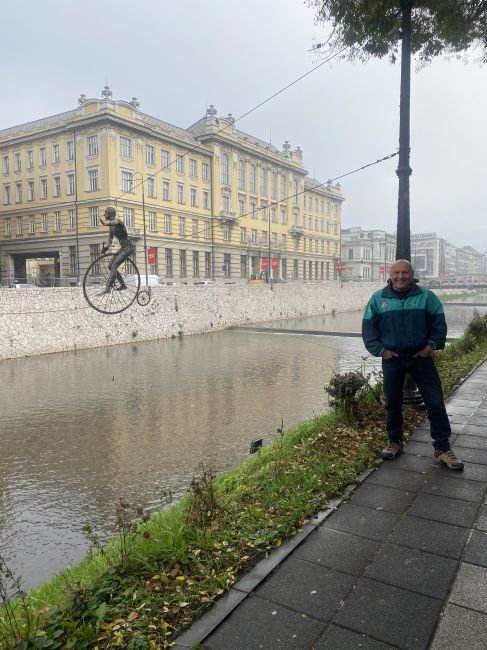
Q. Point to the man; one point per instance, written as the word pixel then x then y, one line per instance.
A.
pixel 404 323
pixel 116 229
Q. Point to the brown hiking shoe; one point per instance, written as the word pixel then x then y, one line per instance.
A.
pixel 448 458
pixel 392 450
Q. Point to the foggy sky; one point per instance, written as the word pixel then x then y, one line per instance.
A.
pixel 179 57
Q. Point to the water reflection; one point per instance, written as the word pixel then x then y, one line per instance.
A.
pixel 80 429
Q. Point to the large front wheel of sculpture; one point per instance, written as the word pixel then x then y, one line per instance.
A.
pixel 111 299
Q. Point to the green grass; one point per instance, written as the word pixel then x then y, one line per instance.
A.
pixel 155 578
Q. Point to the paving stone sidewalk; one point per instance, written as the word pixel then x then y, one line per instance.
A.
pixel 402 564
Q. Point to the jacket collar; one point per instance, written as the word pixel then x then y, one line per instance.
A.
pixel 388 291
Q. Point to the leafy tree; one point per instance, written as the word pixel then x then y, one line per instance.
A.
pixel 371 28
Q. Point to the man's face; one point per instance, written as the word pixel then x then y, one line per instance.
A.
pixel 401 275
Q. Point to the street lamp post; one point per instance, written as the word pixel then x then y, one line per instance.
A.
pixel 144 226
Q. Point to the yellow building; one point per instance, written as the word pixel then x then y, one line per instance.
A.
pixel 207 202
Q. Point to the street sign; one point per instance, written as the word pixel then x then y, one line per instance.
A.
pixel 224 268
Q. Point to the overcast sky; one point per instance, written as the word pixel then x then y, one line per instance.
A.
pixel 178 57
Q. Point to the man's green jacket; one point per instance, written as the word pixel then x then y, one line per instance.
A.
pixel 403 322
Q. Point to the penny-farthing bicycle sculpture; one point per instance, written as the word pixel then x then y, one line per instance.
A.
pixel 116 299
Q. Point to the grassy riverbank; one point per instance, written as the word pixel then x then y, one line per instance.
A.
pixel 159 575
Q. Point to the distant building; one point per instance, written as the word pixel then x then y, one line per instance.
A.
pixel 367 254
pixel 218 203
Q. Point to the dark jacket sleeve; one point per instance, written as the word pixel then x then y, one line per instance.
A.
pixel 370 329
pixel 437 327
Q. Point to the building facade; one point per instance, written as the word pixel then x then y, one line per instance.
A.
pixel 205 202
pixel 367 254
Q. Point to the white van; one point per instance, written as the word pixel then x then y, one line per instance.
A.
pixel 131 280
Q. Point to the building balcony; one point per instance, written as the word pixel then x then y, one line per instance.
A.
pixel 228 218
pixel 296 231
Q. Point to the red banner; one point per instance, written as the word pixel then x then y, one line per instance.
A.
pixel 275 263
pixel 152 255
pixel 264 263
pixel 344 267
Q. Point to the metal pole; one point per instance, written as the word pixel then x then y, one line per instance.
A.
pixel 269 270
pixel 145 234
pixel 403 248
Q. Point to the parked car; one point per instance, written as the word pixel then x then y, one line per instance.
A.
pixel 152 280
pixel 23 285
pixel 204 283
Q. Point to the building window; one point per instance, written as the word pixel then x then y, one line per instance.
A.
pixel 30 191
pixel 166 193
pixel 128 217
pixel 92 145
pixel 57 186
pixel 94 255
pixel 283 216
pixel 283 187
pixel 8 227
pixel 127 181
pixel 226 203
pixel 164 158
pixel 180 193
pixel 182 226
pixel 5 165
pixel 55 154
pixel 30 159
pixel 207 230
pixel 71 219
pixel 206 199
pixel 273 215
pixel 205 171
pixel 94 218
pixel 167 223
pixel 6 194
pixel 193 168
pixel 71 186
pixel 207 265
pixel 263 237
pixel 194 197
pixel 150 154
pixel 263 181
pixel 194 227
pixel 151 187
pixel 168 261
pixel 196 264
pixel 18 192
pixel 20 226
pixel 241 207
pixel 70 151
pixel 182 264
pixel 227 263
pixel 42 156
pixel 93 180
pixel 179 163
pixel 152 221
pixel 44 222
pixel 253 179
pixel 253 236
pixel 225 170
pixel 243 266
pixel 125 147
pixel 58 222
pixel 253 210
pixel 32 225
pixel 274 185
pixel 226 233
pixel 73 267
pixel 263 211
pixel 241 174
pixel 243 235
pixel 295 193
pixel 17 162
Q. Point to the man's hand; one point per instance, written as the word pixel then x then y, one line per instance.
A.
pixel 426 352
pixel 104 247
pixel 388 354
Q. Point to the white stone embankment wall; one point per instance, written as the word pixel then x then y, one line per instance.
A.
pixel 41 321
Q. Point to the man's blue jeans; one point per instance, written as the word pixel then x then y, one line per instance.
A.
pixel 424 373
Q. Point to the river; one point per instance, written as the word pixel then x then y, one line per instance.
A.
pixel 80 429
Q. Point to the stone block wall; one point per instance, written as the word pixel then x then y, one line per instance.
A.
pixel 41 321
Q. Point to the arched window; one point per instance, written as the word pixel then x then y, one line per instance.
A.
pixel 225 175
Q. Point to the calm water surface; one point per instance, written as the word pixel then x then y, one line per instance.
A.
pixel 80 429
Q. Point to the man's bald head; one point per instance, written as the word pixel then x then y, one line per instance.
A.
pixel 401 275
